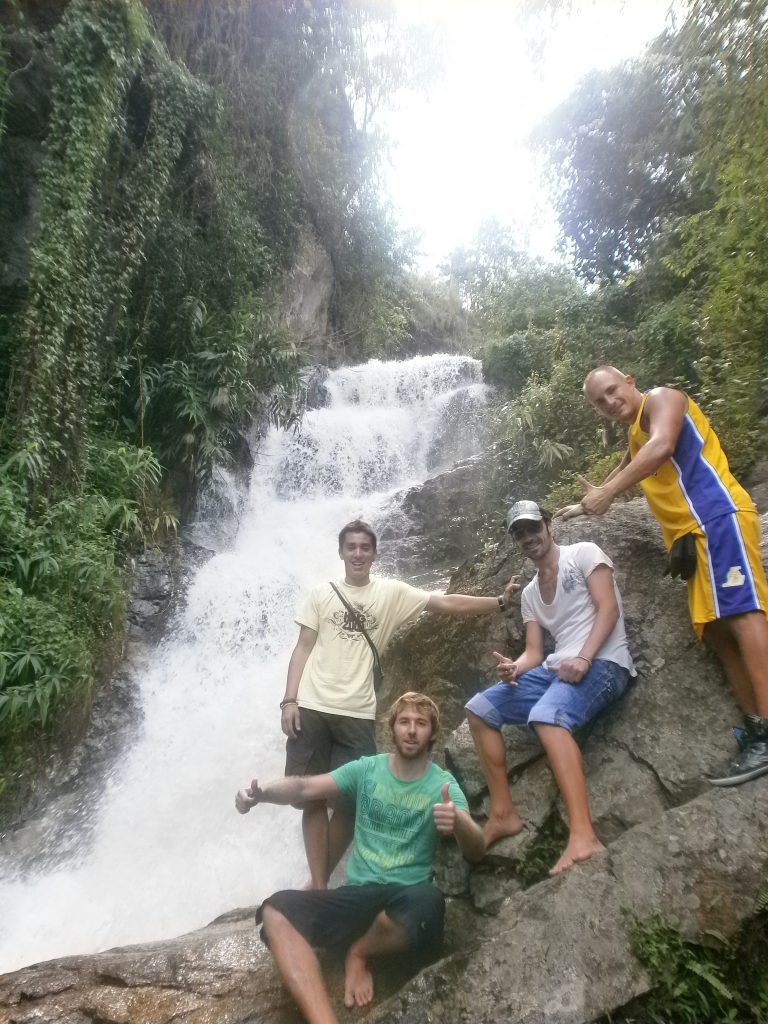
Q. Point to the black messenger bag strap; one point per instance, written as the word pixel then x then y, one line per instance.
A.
pixel 357 619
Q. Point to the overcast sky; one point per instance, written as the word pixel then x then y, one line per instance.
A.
pixel 459 154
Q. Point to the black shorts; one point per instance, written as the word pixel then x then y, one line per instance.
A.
pixel 335 918
pixel 327 742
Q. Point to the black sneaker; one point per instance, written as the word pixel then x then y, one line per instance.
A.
pixel 753 762
pixel 753 759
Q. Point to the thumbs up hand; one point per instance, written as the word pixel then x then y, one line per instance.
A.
pixel 596 500
pixel 248 797
pixel 445 813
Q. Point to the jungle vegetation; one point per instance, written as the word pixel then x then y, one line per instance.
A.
pixel 658 171
pixel 159 163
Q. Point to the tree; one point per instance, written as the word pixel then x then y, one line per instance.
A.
pixel 619 151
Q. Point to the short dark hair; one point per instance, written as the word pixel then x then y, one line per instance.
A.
pixel 422 703
pixel 357 526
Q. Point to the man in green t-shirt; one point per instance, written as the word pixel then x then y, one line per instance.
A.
pixel 404 803
pixel 329 706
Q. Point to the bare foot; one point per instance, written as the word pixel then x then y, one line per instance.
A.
pixel 310 886
pixel 576 852
pixel 497 828
pixel 358 982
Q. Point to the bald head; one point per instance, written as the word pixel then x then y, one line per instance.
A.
pixel 612 393
pixel 602 371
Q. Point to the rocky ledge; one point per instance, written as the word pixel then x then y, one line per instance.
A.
pixel 558 951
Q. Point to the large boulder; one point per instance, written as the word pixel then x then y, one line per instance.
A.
pixel 560 951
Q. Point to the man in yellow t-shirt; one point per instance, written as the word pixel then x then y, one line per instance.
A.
pixel 329 708
pixel 676 457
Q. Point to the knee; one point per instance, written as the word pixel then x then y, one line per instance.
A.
pixel 476 724
pixel 431 898
pixel 553 732
pixel 271 920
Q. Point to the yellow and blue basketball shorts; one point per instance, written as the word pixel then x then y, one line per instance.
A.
pixel 729 578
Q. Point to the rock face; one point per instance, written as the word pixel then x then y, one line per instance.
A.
pixel 560 951
pixel 306 297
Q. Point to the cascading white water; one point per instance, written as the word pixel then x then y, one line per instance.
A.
pixel 168 852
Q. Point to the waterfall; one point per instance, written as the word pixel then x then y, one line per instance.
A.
pixel 167 851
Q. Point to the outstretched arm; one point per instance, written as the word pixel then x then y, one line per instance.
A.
pixel 291 790
pixel 465 605
pixel 665 409
pixel 451 820
pixel 572 511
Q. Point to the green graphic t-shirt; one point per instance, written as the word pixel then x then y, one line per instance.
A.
pixel 395 834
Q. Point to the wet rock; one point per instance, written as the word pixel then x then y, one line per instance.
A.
pixel 559 952
pixel 623 792
pixel 305 295
pixel 444 518
pixel 521 744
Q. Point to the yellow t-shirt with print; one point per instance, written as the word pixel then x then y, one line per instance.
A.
pixel 338 676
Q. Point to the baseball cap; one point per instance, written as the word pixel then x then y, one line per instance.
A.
pixel 523 510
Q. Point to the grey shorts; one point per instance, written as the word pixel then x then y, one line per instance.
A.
pixel 327 742
pixel 335 918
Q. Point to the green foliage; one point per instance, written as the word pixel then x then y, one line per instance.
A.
pixel 436 321
pixel 509 362
pixel 659 172
pixel 719 983
pixel 723 245
pixel 3 79
pixel 510 291
pixel 61 594
pixel 40 660
pixel 197 406
pixel 568 489
pixel 57 367
pixel 618 151
pixel 187 148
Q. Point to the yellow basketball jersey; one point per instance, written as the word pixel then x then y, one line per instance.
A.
pixel 695 485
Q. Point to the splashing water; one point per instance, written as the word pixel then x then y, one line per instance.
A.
pixel 168 852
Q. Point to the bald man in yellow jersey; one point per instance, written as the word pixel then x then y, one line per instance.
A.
pixel 675 456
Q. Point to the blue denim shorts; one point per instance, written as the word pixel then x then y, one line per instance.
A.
pixel 540 697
